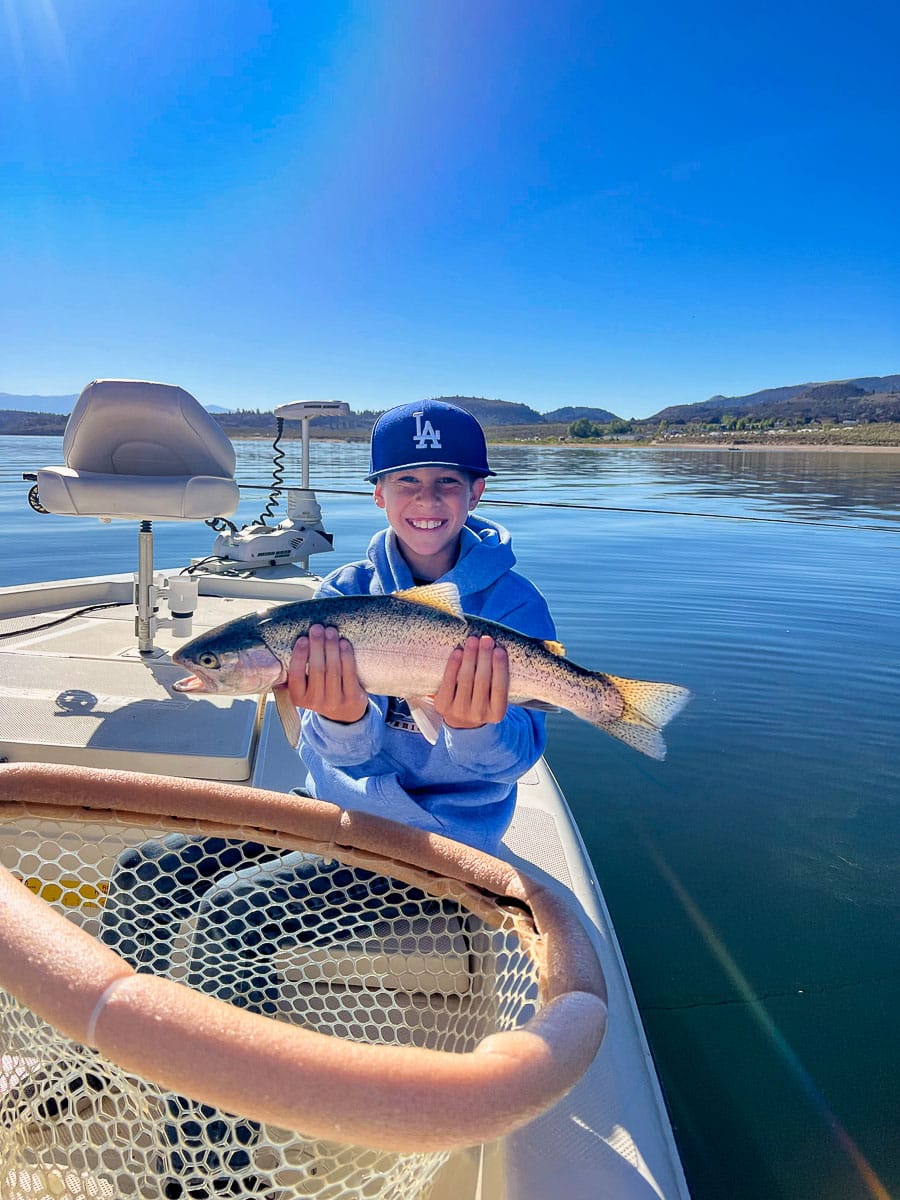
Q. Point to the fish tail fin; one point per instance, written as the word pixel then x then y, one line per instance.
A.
pixel 656 703
pixel 648 707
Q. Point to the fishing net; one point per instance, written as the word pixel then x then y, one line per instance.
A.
pixel 209 990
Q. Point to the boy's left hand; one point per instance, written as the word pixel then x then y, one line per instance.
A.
pixel 475 687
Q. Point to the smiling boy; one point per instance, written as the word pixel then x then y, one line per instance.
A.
pixel 429 465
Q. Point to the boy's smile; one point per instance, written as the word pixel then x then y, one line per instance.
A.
pixel 427 507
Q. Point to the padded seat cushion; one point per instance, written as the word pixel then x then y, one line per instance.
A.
pixel 136 497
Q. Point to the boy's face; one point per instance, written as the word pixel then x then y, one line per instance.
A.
pixel 427 507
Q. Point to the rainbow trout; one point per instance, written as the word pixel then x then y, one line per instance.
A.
pixel 401 643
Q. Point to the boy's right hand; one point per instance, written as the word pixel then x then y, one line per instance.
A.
pixel 322 676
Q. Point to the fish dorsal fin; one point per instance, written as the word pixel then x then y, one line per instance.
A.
pixel 442 596
pixel 556 648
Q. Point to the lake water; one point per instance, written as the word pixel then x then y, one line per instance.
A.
pixel 754 877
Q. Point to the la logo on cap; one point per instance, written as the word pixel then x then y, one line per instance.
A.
pixel 426 435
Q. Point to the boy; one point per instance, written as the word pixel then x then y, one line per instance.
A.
pixel 429 465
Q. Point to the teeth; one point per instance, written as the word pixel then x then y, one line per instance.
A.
pixel 426 524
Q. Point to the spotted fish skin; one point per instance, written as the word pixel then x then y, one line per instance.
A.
pixel 401 644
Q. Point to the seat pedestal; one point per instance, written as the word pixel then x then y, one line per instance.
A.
pixel 144 592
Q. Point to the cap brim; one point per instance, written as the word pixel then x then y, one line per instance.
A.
pixel 479 471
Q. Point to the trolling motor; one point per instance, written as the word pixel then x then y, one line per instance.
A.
pixel 301 534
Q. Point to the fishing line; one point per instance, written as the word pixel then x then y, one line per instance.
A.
pixel 657 512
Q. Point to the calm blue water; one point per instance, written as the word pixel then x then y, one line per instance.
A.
pixel 754 877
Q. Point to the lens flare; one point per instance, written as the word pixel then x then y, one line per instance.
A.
pixel 741 984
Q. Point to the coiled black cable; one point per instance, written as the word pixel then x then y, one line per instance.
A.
pixel 277 474
pixel 220 524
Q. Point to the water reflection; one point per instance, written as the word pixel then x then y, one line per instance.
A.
pixel 809 484
pixel 801 483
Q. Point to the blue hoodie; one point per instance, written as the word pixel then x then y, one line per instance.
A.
pixel 464 786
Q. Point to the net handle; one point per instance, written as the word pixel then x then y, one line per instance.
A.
pixel 399 1098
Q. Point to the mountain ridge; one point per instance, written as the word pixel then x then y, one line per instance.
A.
pixel 865 398
pixel 490 413
pixel 61 405
pixel 772 401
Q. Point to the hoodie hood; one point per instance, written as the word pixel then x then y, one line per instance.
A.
pixel 485 554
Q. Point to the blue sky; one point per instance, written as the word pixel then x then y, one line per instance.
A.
pixel 626 204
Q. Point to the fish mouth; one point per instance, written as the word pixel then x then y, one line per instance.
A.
pixel 190 683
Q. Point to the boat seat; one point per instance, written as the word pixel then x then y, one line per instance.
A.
pixel 141 451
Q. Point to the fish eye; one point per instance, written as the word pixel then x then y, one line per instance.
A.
pixel 208 660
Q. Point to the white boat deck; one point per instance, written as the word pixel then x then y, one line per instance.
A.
pixel 78 692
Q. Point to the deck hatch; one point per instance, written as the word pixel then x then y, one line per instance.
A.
pixel 99 712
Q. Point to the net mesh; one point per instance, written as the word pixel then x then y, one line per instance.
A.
pixel 327 944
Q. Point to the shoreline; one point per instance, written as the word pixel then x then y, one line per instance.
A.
pixel 731 447
pixel 586 444
pixel 845 447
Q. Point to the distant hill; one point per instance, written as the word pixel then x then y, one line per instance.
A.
pixel 829 402
pixel 61 405
pixel 815 400
pixel 13 421
pixel 495 412
pixel 490 413
pixel 38 404
pixel 567 415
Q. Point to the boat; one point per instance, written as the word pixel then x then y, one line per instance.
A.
pixel 88 695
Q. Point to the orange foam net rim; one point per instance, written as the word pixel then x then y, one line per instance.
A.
pixel 390 1097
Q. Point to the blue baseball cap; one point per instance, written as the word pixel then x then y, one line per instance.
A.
pixel 428 433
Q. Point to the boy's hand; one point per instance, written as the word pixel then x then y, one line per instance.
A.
pixel 475 687
pixel 322 676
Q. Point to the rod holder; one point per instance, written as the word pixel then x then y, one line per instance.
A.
pixel 182 600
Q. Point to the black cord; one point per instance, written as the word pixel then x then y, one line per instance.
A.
pixel 199 563
pixel 79 612
pixel 220 524
pixel 277 474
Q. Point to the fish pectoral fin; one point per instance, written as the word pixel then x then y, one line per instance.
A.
pixel 442 596
pixel 290 717
pixel 555 647
pixel 426 716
